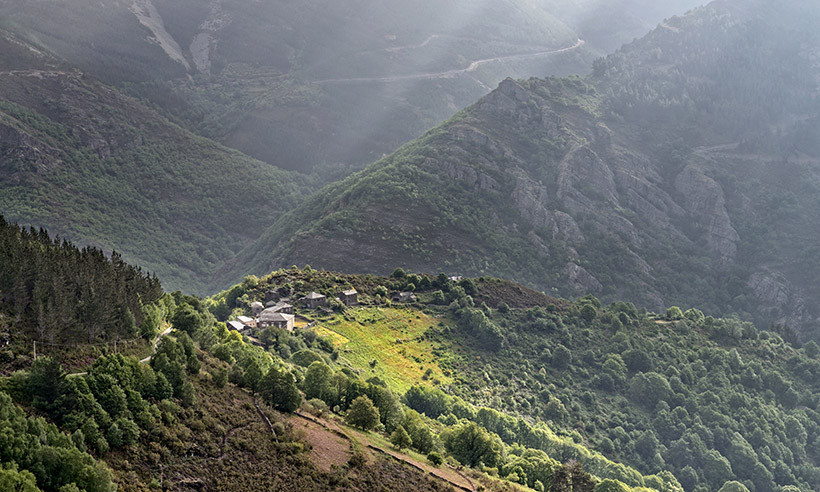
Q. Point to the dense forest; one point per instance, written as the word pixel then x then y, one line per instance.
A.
pixel 52 291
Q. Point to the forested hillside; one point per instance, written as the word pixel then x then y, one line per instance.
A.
pixel 521 388
pixel 68 294
pixel 682 171
pixel 707 400
pixel 98 167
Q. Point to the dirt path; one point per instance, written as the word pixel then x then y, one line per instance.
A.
pixel 451 73
pixel 156 342
pixel 40 74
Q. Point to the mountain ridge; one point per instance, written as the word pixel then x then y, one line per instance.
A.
pixel 622 183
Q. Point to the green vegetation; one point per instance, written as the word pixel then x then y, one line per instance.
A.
pixel 688 402
pixel 102 168
pixel 680 172
pixel 60 296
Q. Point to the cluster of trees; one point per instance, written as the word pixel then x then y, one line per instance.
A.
pixel 711 400
pixel 35 455
pixel 117 401
pixel 494 439
pixel 56 292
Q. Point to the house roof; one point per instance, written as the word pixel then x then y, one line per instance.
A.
pixel 270 316
pixel 244 319
pixel 281 305
pixel 256 304
pixel 350 292
pixel 236 325
pixel 314 295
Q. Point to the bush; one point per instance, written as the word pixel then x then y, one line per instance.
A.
pixel 435 458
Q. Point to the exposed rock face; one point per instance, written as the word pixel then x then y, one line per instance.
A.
pixel 468 175
pixel 18 148
pixel 205 42
pixel 531 200
pixel 581 280
pixel 148 16
pixel 703 199
pixel 780 300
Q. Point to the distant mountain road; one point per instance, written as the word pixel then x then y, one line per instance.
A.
pixel 451 73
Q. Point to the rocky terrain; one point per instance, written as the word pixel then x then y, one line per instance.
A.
pixel 606 184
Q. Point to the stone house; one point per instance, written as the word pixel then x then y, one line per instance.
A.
pixel 236 326
pixel 314 300
pixel 349 297
pixel 269 318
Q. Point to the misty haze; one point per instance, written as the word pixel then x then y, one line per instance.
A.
pixel 361 245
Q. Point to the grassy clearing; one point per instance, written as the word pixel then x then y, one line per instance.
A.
pixel 395 337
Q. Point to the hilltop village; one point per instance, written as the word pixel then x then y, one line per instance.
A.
pixel 278 312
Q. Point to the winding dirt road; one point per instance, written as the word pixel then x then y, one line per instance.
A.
pixel 451 73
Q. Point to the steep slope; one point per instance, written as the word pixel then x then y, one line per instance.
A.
pixel 683 171
pixel 320 84
pixel 101 168
pixel 680 395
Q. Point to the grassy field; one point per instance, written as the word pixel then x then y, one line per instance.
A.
pixel 396 337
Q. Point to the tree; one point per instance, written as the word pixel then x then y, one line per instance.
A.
pixel 561 357
pixel 278 389
pixel 19 481
pixel 45 383
pixel 471 445
pixel 187 319
pixel 650 388
pixel 674 313
pixel 318 382
pixel 588 312
pixel 363 414
pixel 555 410
pixel 811 348
pixel 253 374
pixel 609 485
pixel 400 438
pixel 733 486
pixel 637 360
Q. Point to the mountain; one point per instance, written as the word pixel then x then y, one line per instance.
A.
pixel 320 85
pixel 102 168
pixel 683 170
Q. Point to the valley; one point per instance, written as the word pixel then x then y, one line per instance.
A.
pixel 474 245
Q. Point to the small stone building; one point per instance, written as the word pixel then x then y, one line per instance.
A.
pixel 257 307
pixel 236 326
pixel 282 307
pixel 349 297
pixel 314 300
pixel 270 318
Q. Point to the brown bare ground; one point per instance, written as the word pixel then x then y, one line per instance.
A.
pixel 450 476
pixel 328 448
